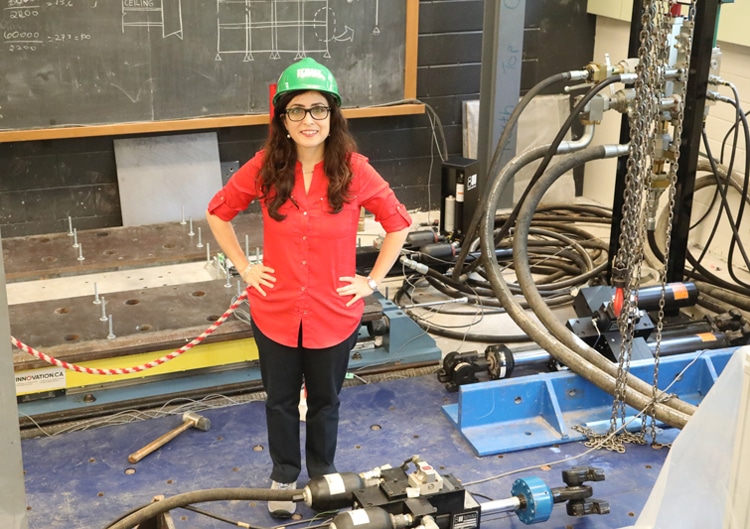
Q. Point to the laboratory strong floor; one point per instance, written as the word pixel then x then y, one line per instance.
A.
pixel 80 478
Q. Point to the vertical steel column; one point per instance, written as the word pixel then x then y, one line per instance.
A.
pixel 706 16
pixel 500 83
pixel 12 490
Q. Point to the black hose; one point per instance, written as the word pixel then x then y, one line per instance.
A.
pixel 526 280
pixel 510 169
pixel 502 143
pixel 594 369
pixel 732 223
pixel 552 150
pixel 199 496
pixel 699 271
pixel 736 300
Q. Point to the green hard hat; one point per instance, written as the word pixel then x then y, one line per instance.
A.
pixel 307 74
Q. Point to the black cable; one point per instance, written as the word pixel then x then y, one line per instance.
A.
pixel 735 241
pixel 552 151
pixel 717 193
pixel 219 518
pixel 698 270
pixel 500 147
pixel 726 136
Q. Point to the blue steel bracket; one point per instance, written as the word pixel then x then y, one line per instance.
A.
pixel 506 415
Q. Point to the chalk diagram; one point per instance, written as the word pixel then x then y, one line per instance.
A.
pixel 164 14
pixel 276 27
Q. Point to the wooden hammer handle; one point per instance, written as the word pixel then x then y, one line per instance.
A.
pixel 158 443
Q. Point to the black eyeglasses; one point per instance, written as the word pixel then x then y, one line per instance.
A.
pixel 298 113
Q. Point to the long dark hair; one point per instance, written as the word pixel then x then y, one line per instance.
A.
pixel 277 172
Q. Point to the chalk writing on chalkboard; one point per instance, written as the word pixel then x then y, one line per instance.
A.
pixel 86 62
pixel 165 15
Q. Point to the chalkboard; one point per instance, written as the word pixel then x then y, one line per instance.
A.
pixel 84 63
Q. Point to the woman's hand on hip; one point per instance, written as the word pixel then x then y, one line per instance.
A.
pixel 358 288
pixel 259 276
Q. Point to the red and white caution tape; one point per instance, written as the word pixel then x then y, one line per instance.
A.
pixel 135 369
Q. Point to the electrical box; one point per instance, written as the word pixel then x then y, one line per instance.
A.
pixel 459 195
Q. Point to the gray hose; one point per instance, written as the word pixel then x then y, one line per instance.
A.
pixel 562 353
pixel 547 317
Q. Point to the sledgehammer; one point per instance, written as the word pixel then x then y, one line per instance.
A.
pixel 189 420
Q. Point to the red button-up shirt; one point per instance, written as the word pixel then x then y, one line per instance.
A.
pixel 310 250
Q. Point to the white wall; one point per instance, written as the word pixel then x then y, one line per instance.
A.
pixel 612 36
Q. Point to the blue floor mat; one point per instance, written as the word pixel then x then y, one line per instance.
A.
pixel 83 480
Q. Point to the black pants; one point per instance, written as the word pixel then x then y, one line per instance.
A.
pixel 283 370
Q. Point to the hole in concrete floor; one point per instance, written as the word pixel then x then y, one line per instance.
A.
pixel 212 317
pixel 198 293
pixel 143 327
pixel 102 234
pixel 49 259
pixel 109 252
pixel 71 337
pixel 62 310
pixel 43 239
pixel 132 302
pixel 168 246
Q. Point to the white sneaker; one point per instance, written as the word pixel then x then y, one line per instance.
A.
pixel 282 509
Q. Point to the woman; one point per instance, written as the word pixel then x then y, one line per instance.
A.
pixel 306 300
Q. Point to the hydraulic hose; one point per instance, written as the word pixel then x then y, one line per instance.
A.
pixel 739 301
pixel 595 368
pixel 555 146
pixel 503 141
pixel 508 172
pixel 198 496
pixel 586 268
pixel 717 306
pixel 526 281
pixel 656 240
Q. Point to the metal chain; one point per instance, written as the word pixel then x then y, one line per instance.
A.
pixel 675 148
pixel 628 258
pixel 643 166
pixel 650 410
